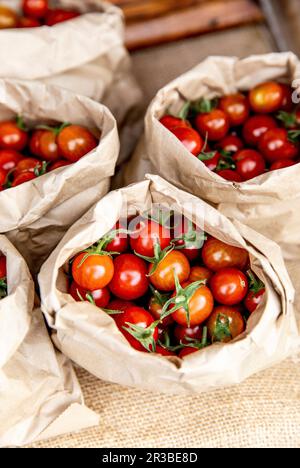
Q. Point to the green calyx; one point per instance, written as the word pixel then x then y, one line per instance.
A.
pixel 184 112
pixel 255 284
pixel 181 299
pixel 145 336
pixel 159 256
pixel 21 124
pixel 204 106
pixel 159 298
pixel 293 136
pixel 89 297
pixel 108 238
pixel 3 288
pixel 289 119
pixel 161 217
pixel 39 171
pixel 204 155
pixel 55 130
pixel 199 344
pixel 96 250
pixel 193 238
pixel 222 329
pixel 226 162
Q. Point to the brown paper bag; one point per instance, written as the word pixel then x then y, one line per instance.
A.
pixel 270 203
pixel 86 55
pixel 90 337
pixel 35 215
pixel 39 392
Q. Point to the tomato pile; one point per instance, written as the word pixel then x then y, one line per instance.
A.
pixel 170 288
pixel 35 13
pixel 241 136
pixel 3 281
pixel 25 155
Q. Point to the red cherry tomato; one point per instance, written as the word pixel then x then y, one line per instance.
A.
pixel 217 255
pixel 26 22
pixel 266 98
pixel 48 148
pixel 287 104
pixel 3 272
pixel 59 15
pixel 163 278
pixel 236 107
pixel 230 175
pixel 201 305
pixel 92 272
pixel 225 324
pixel 139 317
pixel 120 242
pixel 146 235
pixel 231 144
pixel 164 352
pixel 8 18
pixel 12 137
pixel 27 165
pixel 229 286
pixel 189 138
pixel 9 159
pixel 215 124
pixel 188 238
pixel 101 297
pixel 130 278
pixel 254 299
pixel 118 304
pixel 184 334
pixel 249 164
pixel 256 127
pixel 171 122
pixel 199 273
pixel 23 177
pixel 282 164
pixel 58 164
pixel 74 142
pixel 275 146
pixel 35 8
pixel 186 351
pixel 212 162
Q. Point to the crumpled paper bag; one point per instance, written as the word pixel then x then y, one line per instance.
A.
pixel 39 393
pixel 90 337
pixel 36 215
pixel 86 55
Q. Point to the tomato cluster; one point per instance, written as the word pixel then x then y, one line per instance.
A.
pixel 244 135
pixel 25 155
pixel 3 280
pixel 171 288
pixel 35 13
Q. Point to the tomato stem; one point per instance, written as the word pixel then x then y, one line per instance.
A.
pixel 144 335
pixel 255 284
pixel 289 119
pixel 222 329
pixel 193 238
pixel 3 288
pixel 159 255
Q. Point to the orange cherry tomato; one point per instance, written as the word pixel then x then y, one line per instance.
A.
pixel 93 272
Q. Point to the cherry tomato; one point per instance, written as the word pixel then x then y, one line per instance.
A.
pixel 156 305
pixel 34 142
pixel 282 164
pixel 3 272
pixel 201 305
pixel 230 175
pixel 254 299
pixel 141 318
pixel 8 18
pixel 266 98
pixel 26 22
pixel 231 144
pixel 35 8
pixel 287 104
pixel 58 164
pixel 189 138
pixel 275 146
pixel 256 127
pixel 163 278
pixel 9 159
pixel 120 242
pixel 171 122
pixel 189 236
pixel 12 137
pixel 236 107
pixel 130 278
pixel 3 179
pixel 101 297
pixel 229 286
pixel 27 165
pixel 118 304
pixel 186 351
pixel 59 15
pixel 249 164
pixel 74 142
pixel 225 324
pixel 215 124
pixel 164 352
pixel 22 177
pixel 146 235
pixel 211 160
pixel 184 334
pixel 92 272
pixel 48 148
pixel 199 273
pixel 217 255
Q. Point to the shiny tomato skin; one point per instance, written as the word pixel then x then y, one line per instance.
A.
pixel 231 144
pixel 163 351
pixel 189 138
pixel 199 273
pixel 100 296
pixel 229 286
pixel 48 147
pixel 236 107
pixel 93 272
pixel 23 177
pixel 8 18
pixel 26 22
pixel 275 145
pixel 236 323
pixel 119 304
pixel 136 316
pixel 170 122
pixel 3 271
pixel 212 163
pixel 74 142
pixel 9 159
pixel 27 165
pixel 120 243
pixel 184 334
pixel 130 280
pixel 249 164
pixel 58 164
pixel 34 142
pixel 12 137
pixel 186 351
pixel 230 175
pixel 201 305
pixel 256 127
pixel 282 164
pixel 35 8
pixel 266 98
pixel 58 15
pixel 163 277
pixel 146 235
pixel 156 309
pixel 253 300
pixel 215 125
pixel 287 104
pixel 217 255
